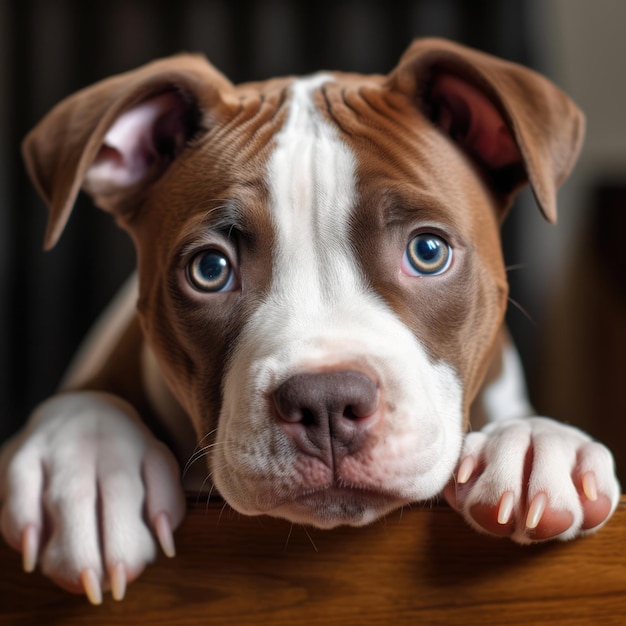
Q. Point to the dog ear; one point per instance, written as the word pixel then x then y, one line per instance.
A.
pixel 515 123
pixel 119 135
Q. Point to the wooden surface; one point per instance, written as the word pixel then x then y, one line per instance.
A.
pixel 420 567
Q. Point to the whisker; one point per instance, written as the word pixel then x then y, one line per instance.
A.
pixel 515 267
pixel 208 498
pixel 522 310
pixel 310 538
pixel 383 523
pixel 202 453
pixel 219 519
pixel 288 537
pixel 196 456
pixel 201 489
pixel 195 450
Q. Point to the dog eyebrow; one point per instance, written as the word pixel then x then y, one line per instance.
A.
pixel 403 203
pixel 224 218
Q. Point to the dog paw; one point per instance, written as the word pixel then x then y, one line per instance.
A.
pixel 534 479
pixel 82 490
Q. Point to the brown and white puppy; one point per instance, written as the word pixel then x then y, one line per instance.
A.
pixel 319 303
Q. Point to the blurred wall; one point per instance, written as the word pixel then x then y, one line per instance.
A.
pixel 582 47
pixel 582 337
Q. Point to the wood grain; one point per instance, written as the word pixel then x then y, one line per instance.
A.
pixel 419 567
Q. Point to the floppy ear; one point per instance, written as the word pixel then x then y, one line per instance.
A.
pixel 121 134
pixel 515 123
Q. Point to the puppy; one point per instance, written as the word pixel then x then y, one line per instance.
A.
pixel 319 305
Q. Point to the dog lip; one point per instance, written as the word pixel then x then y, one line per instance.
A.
pixel 337 493
pixel 334 506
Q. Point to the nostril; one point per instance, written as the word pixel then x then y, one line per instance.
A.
pixel 353 415
pixel 363 408
pixel 307 417
pixel 348 413
pixel 296 415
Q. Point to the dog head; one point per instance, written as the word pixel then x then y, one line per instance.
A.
pixel 320 271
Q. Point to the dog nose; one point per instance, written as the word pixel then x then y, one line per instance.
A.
pixel 328 414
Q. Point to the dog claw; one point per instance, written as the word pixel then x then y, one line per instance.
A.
pixel 466 469
pixel 118 581
pixel 163 530
pixel 91 585
pixel 505 510
pixel 590 487
pixel 30 547
pixel 536 510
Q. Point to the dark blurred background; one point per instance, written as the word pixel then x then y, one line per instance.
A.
pixel 570 280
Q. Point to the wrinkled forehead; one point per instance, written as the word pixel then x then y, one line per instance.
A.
pixel 345 138
pixel 310 151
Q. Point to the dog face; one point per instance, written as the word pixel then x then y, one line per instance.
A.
pixel 310 246
pixel 320 271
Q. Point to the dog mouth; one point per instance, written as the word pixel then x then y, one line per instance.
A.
pixel 338 506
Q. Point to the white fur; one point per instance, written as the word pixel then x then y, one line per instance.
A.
pixel 506 397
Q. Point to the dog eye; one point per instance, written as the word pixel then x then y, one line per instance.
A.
pixel 210 271
pixel 426 255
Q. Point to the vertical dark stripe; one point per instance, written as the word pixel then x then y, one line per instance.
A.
pixel 312 23
pixel 18 332
pixel 242 35
pixel 399 23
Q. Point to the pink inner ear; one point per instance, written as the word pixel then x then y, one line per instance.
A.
pixel 472 120
pixel 130 146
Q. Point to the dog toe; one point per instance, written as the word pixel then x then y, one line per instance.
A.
pixel 596 483
pixel 596 512
pixel 21 515
pixel 547 523
pixel 497 520
pixel 597 506
pixel 165 502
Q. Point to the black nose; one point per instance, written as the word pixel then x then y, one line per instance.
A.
pixel 328 414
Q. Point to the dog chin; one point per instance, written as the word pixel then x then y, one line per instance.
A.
pixel 338 507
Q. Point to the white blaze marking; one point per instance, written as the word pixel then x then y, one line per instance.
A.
pixel 312 176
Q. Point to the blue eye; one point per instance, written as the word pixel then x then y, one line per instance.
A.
pixel 210 271
pixel 426 255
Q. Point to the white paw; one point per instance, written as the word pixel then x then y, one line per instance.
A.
pixel 534 479
pixel 81 489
